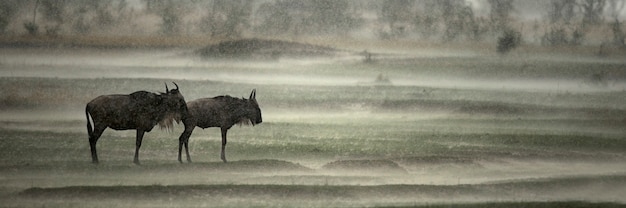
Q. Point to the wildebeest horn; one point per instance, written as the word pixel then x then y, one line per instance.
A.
pixel 166 90
pixel 253 94
pixel 176 85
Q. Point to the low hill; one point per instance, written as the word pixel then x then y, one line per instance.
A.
pixel 264 49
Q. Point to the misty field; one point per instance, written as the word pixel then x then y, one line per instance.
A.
pixel 449 127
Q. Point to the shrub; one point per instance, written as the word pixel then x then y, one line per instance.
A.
pixel 598 79
pixel 509 40
pixel 31 27
pixel 559 36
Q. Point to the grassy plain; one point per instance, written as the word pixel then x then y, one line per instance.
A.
pixel 454 128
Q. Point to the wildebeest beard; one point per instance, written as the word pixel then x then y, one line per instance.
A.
pixel 167 123
pixel 162 113
pixel 245 122
pixel 237 109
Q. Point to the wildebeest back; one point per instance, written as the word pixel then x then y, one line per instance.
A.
pixel 205 112
pixel 131 111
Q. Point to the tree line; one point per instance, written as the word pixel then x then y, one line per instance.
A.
pixel 564 22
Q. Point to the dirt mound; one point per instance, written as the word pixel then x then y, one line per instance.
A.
pixel 547 192
pixel 259 165
pixel 435 159
pixel 438 162
pixel 463 106
pixel 365 166
pixel 264 49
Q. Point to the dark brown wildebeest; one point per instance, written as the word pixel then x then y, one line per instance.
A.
pixel 221 111
pixel 139 110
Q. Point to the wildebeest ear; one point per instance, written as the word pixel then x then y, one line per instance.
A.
pixel 253 94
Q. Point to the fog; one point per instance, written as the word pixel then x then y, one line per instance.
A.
pixel 329 125
pixel 179 64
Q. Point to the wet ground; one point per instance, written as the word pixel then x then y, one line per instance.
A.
pixel 458 128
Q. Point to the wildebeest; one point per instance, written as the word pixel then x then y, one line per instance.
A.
pixel 139 110
pixel 221 111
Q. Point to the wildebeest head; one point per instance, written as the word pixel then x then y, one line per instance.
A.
pixel 253 110
pixel 175 107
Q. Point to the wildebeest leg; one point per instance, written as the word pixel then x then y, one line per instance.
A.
pixel 93 139
pixel 187 150
pixel 224 131
pixel 184 140
pixel 138 145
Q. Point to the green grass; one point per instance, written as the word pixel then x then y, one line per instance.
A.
pixel 451 146
pixel 566 204
pixel 333 195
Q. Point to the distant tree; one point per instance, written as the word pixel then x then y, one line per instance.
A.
pixel 456 17
pixel 500 14
pixel 592 12
pixel 598 79
pixel 578 37
pixel 228 17
pixel 108 13
pixel 89 16
pixel 396 11
pixel 239 17
pixel 427 25
pixel 171 13
pixel 427 21
pixel 570 20
pixel 508 41
pixel 556 36
pixel 467 24
pixel 310 17
pixel 331 16
pixel 615 9
pixel 55 13
pixel 31 27
pixel 452 25
pixel 277 17
pixel 478 29
pixel 618 34
pixel 562 11
pixel 8 10
pixel 563 19
pixel 82 24
pixel 53 10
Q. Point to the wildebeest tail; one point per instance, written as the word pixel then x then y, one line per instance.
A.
pixel 89 128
